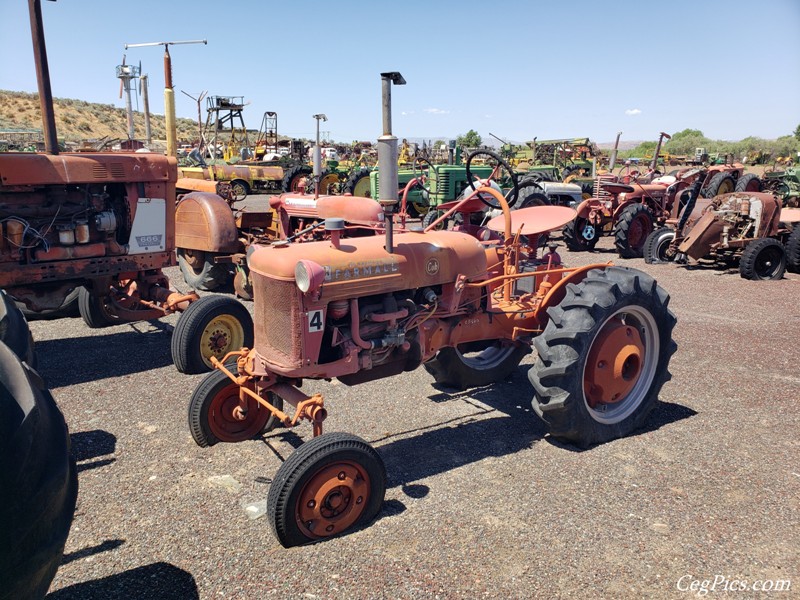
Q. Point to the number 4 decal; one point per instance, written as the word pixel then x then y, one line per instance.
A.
pixel 315 321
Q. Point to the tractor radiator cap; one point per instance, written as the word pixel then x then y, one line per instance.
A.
pixel 334 224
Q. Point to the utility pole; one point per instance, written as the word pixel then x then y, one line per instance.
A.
pixel 318 156
pixel 169 92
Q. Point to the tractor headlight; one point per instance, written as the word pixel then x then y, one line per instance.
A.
pixel 308 275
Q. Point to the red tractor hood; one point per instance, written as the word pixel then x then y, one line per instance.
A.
pixel 361 266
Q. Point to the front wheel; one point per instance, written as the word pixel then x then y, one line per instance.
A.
pixel 216 415
pixel 475 364
pixel 96 311
pixel 656 246
pixel 211 327
pixel 793 250
pixel 328 486
pixel 580 235
pixel 763 259
pixel 603 356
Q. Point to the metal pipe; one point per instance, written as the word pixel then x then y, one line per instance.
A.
pixel 43 77
pixel 387 156
pixel 148 132
pixel 613 160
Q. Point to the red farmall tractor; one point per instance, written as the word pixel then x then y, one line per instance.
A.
pixel 365 308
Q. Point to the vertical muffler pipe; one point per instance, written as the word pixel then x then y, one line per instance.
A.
pixel 654 162
pixel 43 77
pixel 387 157
pixel 613 162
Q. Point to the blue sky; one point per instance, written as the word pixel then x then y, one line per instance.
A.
pixel 517 69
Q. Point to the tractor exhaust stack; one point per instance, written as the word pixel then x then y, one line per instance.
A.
pixel 387 157
pixel 43 77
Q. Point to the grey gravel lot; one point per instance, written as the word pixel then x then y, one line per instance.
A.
pixel 481 503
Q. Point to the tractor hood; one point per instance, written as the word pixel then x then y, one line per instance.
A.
pixel 361 266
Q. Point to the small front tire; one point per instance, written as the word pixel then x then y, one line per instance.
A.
pixel 656 246
pixel 211 326
pixel 763 259
pixel 328 486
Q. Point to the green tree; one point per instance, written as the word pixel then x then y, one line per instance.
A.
pixel 797 132
pixel 471 139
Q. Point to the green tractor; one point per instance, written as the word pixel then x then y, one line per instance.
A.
pixel 785 184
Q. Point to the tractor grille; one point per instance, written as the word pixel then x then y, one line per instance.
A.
pixel 599 191
pixel 443 185
pixel 277 318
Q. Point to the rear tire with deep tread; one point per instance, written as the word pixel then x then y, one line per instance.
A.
pixel 793 250
pixel 631 230
pixel 461 369
pixel 38 481
pixel 199 270
pixel 211 326
pixel 580 336
pixel 749 182
pixel 293 176
pixel 721 183
pixel 763 259
pixel 358 183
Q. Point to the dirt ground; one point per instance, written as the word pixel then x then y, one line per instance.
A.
pixel 481 502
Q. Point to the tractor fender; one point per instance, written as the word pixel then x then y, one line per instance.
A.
pixel 204 221
pixel 587 206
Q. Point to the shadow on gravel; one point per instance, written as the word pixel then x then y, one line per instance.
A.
pixel 87 445
pixel 158 581
pixel 92 550
pixel 507 426
pixel 71 361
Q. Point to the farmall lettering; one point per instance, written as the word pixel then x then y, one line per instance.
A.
pixel 361 269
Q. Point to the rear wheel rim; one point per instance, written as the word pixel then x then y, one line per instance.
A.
pixel 638 230
pixel 621 365
pixel 486 358
pixel 662 246
pixel 768 262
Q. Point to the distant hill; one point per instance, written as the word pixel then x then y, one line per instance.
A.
pixel 78 120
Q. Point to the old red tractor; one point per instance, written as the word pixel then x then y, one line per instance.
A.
pixel 630 206
pixel 365 308
pixel 751 228
pixel 102 225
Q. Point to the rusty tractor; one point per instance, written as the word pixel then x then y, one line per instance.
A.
pixel 371 307
pixel 631 207
pixel 751 228
pixel 103 224
pixel 213 238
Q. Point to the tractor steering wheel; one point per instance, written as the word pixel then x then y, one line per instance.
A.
pixel 512 195
pixel 422 177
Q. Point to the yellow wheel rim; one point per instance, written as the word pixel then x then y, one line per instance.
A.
pixel 222 334
pixel 361 188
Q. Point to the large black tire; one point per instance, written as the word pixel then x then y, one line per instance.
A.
pixel 358 183
pixel 721 183
pixel 657 244
pixel 293 176
pixel 475 364
pixel 38 481
pixel 301 511
pixel 749 182
pixel 580 235
pixel 763 259
pixel 615 316
pixel 14 331
pixel 211 326
pixel 211 413
pixel 531 193
pixel 631 230
pixel 94 310
pixel 68 308
pixel 793 250
pixel 200 271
